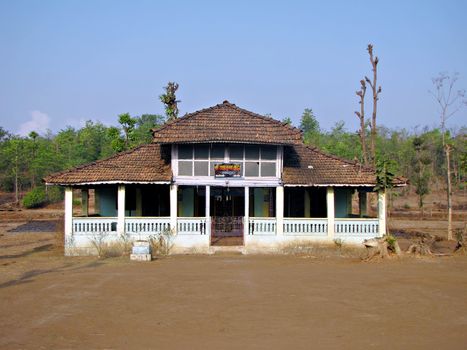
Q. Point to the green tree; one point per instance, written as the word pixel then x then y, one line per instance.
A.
pixel 33 136
pixel 169 99
pixel 14 164
pixel 115 138
pixel 4 135
pixel 128 126
pixel 422 173
pixel 91 141
pixel 341 143
pixel 310 127
pixel 144 125
pixel 287 121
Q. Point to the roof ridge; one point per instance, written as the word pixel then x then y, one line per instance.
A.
pixel 183 117
pixel 97 161
pixel 271 119
pixel 226 103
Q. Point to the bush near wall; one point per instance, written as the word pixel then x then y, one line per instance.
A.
pixel 38 197
pixel 35 198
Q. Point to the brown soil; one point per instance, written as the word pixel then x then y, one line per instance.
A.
pixel 225 301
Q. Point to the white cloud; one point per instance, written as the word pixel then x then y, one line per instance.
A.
pixel 39 123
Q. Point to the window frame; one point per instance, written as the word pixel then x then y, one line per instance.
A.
pixel 227 159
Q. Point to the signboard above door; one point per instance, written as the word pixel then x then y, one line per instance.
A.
pixel 227 170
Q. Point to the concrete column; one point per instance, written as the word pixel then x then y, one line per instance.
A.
pixel 247 214
pixel 331 211
pixel 68 212
pixel 382 213
pixel 121 210
pixel 173 207
pixel 362 203
pixel 85 202
pixel 280 210
pixel 208 211
pixel 139 202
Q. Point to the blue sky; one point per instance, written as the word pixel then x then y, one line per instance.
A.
pixel 64 62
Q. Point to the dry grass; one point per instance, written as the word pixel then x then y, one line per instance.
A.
pixel 323 250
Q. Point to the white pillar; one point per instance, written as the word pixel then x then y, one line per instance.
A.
pixel 280 210
pixel 85 202
pixel 173 207
pixel 139 202
pixel 68 212
pixel 246 219
pixel 382 213
pixel 121 210
pixel 331 211
pixel 208 212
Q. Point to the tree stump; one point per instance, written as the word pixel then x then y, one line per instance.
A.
pixel 461 236
pixel 376 247
pixel 422 247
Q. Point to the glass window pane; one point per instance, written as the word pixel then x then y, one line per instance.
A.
pixel 217 151
pixel 185 152
pixel 236 152
pixel 252 169
pixel 268 169
pixel 185 168
pixel 251 152
pixel 268 152
pixel 201 168
pixel 201 151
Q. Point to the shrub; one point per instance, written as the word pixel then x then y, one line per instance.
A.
pixel 35 198
pixel 162 244
pixel 54 194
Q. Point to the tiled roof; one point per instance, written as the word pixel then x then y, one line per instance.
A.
pixel 147 163
pixel 227 123
pixel 305 165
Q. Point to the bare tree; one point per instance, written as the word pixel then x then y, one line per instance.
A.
pixel 449 101
pixel 361 117
pixel 376 91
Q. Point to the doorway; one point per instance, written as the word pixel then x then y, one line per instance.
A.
pixel 227 212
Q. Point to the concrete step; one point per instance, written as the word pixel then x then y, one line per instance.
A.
pixel 235 249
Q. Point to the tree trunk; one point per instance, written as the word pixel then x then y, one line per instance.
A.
pixel 447 149
pixel 361 117
pixel 376 91
pixel 376 247
pixel 16 176
pixel 16 186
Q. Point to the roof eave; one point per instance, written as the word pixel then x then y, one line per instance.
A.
pixel 115 182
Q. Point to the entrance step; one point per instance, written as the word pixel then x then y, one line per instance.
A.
pixel 233 249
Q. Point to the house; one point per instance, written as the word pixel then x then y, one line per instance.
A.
pixel 217 177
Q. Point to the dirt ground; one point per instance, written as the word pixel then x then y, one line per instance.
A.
pixel 225 301
pixel 48 301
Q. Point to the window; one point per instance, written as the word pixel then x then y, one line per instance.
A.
pixel 256 161
pixel 185 152
pixel 251 152
pixel 185 168
pixel 200 159
pixel 251 169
